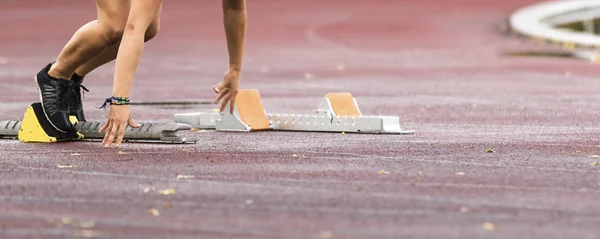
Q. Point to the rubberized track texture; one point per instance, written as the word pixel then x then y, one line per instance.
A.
pixel 436 64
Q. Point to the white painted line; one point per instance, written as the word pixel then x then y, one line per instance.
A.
pixel 537 21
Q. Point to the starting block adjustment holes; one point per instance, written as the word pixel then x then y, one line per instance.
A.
pixel 96 126
pixel 285 119
pixel 131 129
pixel 304 119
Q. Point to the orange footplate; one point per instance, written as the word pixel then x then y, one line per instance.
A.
pixel 251 111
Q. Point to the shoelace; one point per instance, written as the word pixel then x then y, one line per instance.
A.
pixel 77 89
pixel 63 97
pixel 81 87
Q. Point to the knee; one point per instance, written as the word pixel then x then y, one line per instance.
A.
pixel 151 32
pixel 114 32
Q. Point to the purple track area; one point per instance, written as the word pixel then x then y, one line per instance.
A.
pixel 439 65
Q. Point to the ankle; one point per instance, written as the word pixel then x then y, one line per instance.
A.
pixel 57 71
pixel 76 77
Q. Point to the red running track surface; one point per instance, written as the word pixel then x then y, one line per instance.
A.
pixel 439 65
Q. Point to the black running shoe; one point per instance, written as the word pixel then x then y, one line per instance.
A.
pixel 75 98
pixel 54 98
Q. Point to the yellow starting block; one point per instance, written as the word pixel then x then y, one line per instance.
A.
pixel 37 129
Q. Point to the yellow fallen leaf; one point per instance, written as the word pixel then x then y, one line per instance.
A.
pixel 87 224
pixel 293 171
pixel 595 156
pixel 464 209
pixel 460 173
pixel 180 176
pixel 383 172
pixel 343 133
pixel 326 234
pixel 489 150
pixel 147 189
pixel 249 201
pixel 65 220
pixel 153 212
pixel 87 233
pixel 489 226
pixel 185 150
pixel 167 191
pixel 139 150
pixel 66 166
pixel 416 180
pixel 595 163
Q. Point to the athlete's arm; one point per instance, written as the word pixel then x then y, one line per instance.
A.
pixel 234 19
pixel 141 15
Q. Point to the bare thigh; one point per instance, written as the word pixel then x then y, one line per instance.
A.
pixel 112 17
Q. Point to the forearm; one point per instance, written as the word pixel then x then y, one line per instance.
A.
pixel 127 61
pixel 234 20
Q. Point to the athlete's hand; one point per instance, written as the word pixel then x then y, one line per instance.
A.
pixel 227 90
pixel 118 119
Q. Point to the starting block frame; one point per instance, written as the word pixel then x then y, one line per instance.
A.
pixel 337 112
pixel 36 128
pixel 148 132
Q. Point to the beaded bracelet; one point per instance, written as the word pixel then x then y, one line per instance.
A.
pixel 115 101
pixel 119 100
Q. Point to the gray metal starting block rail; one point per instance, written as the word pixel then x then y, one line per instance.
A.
pixel 148 132
pixel 337 112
